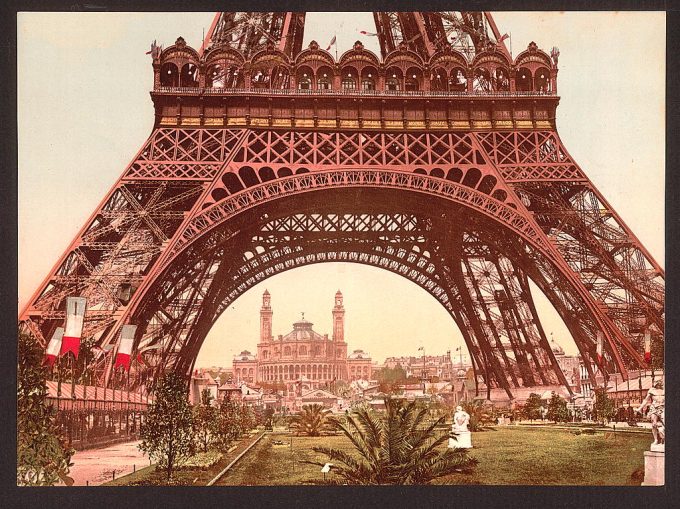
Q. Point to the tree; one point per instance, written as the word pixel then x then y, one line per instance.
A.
pixel 397 448
pixel 657 351
pixel 557 409
pixel 603 408
pixel 167 434
pixel 228 427
pixel 205 420
pixel 42 455
pixel 312 421
pixel 391 375
pixel 480 415
pixel 247 419
pixel 533 406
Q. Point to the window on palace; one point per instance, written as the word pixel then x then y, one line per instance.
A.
pixel 367 84
pixel 412 83
pixel 349 83
pixel 305 83
pixel 286 351
pixel 392 84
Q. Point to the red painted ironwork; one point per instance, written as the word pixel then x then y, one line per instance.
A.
pixel 438 161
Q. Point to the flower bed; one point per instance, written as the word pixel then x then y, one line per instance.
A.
pixel 202 460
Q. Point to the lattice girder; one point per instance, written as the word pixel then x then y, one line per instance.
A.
pixel 159 226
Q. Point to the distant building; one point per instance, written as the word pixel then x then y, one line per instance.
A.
pixel 301 359
pixel 359 365
pixel 570 366
pixel 429 366
pixel 200 380
pixel 245 367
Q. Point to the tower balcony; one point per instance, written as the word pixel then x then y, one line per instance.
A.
pixel 357 91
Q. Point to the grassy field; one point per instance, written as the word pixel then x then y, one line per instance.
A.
pixel 515 455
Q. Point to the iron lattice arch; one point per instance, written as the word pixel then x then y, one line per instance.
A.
pixel 467 197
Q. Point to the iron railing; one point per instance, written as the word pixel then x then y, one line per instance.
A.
pixel 345 92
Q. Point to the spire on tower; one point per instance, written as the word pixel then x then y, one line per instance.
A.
pixel 338 318
pixel 266 317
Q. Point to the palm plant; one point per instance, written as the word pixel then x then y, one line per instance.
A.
pixel 480 415
pixel 312 421
pixel 397 448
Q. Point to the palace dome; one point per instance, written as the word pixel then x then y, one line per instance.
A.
pixel 302 331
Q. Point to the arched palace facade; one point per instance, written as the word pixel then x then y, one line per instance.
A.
pixel 302 358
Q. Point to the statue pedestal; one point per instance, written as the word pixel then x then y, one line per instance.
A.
pixel 463 440
pixel 654 468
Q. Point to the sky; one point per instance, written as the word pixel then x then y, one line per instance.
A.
pixel 84 111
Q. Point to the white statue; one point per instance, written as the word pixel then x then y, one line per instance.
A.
pixel 656 399
pixel 460 435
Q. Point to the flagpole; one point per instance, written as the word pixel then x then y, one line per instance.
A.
pixel 73 379
pixel 335 36
pixel 84 379
pixel 58 382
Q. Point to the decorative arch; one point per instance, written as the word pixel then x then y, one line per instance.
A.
pixel 169 74
pixel 359 57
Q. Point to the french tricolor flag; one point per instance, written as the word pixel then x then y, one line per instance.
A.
pixel 648 347
pixel 600 346
pixel 75 315
pixel 53 347
pixel 127 338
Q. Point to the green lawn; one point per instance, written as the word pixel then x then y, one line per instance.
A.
pixel 515 455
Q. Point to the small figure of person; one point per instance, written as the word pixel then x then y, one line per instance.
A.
pixel 655 399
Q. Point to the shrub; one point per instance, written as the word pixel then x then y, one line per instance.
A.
pixel 201 460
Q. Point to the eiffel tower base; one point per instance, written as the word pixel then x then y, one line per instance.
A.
pixel 654 468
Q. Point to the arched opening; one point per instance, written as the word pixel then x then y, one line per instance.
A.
pixel 248 176
pixel 233 77
pixel 215 77
pixel 523 81
pixel 454 174
pixel 501 80
pixel 349 78
pixel 260 78
pixel 169 75
pixel 457 80
pixel 369 75
pixel 487 184
pixel 304 78
pixel 542 80
pixel 293 251
pixel 324 78
pixel 482 81
pixel 439 80
pixel 266 174
pixel 280 77
pixel 232 183
pixel 189 76
pixel 394 79
pixel 413 79
pixel 471 178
